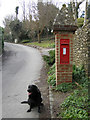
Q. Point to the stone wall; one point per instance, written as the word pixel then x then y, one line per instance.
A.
pixel 81 45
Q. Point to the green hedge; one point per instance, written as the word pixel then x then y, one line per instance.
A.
pixel 1 39
pixel 50 60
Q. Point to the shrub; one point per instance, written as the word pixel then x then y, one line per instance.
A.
pixel 76 105
pixel 80 22
pixel 79 74
pixel 50 59
pixel 65 87
pixel 52 79
pixel 52 76
pixel 1 39
pixel 8 37
pixel 73 112
pixel 51 45
pixel 52 69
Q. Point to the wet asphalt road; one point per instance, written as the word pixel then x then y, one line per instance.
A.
pixel 21 66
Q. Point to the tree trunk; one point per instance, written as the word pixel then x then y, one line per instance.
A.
pixel 39 41
pixel 85 18
pixel 74 11
pixel 75 8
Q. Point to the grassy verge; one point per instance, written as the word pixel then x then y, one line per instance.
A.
pixel 44 44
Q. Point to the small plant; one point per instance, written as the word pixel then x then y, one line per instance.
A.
pixel 76 105
pixel 52 79
pixel 80 22
pixel 52 69
pixel 51 45
pixel 52 76
pixel 65 87
pixel 50 59
pixel 79 75
pixel 76 113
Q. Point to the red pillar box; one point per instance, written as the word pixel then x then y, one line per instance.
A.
pixel 64 35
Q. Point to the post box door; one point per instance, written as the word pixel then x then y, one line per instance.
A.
pixel 64 51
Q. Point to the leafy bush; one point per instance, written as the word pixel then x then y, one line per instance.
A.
pixel 73 112
pixel 8 37
pixel 65 87
pixel 52 69
pixel 50 59
pixel 76 105
pixel 1 39
pixel 80 22
pixel 51 45
pixel 79 75
pixel 52 76
pixel 52 79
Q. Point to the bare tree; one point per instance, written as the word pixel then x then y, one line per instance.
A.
pixel 46 14
pixel 30 10
pixel 7 20
pixel 86 7
pixel 23 5
pixel 75 7
pixel 24 11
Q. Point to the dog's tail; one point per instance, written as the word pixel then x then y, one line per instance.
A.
pixel 24 102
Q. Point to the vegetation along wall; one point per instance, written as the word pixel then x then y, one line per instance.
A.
pixel 82 47
pixel 1 40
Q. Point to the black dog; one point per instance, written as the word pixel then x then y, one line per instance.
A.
pixel 34 98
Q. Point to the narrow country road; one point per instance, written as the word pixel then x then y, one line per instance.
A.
pixel 21 67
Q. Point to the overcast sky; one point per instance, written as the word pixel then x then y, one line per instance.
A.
pixel 7 7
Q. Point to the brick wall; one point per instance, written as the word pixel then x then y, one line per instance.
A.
pixel 63 72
